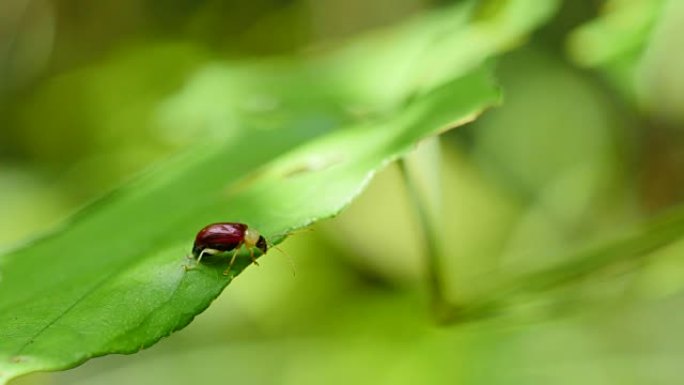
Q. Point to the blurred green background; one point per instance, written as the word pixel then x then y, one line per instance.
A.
pixel 587 144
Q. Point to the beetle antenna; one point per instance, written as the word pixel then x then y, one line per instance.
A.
pixel 307 228
pixel 289 258
pixel 295 231
pixel 282 236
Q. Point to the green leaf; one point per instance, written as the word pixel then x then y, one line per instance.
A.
pixel 284 144
pixel 617 41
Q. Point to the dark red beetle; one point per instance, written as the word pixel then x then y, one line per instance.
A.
pixel 218 238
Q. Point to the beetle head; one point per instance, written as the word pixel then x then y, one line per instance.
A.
pixel 262 245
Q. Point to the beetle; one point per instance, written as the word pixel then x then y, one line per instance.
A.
pixel 222 237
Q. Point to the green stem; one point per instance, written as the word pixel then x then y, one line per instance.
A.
pixel 421 171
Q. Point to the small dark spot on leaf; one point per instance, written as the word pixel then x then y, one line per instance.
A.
pixel 17 359
pixel 313 164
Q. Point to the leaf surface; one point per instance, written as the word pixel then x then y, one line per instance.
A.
pixel 283 144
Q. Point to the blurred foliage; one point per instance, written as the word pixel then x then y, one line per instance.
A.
pixel 586 149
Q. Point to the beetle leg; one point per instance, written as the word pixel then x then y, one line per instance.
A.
pixel 208 252
pixel 232 259
pixel 251 255
pixel 191 264
pixel 199 258
pixel 188 267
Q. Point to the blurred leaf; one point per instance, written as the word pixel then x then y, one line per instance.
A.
pixel 101 132
pixel 660 83
pixel 622 29
pixel 436 48
pixel 547 176
pixel 625 252
pixel 603 346
pixel 112 280
pixel 617 40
